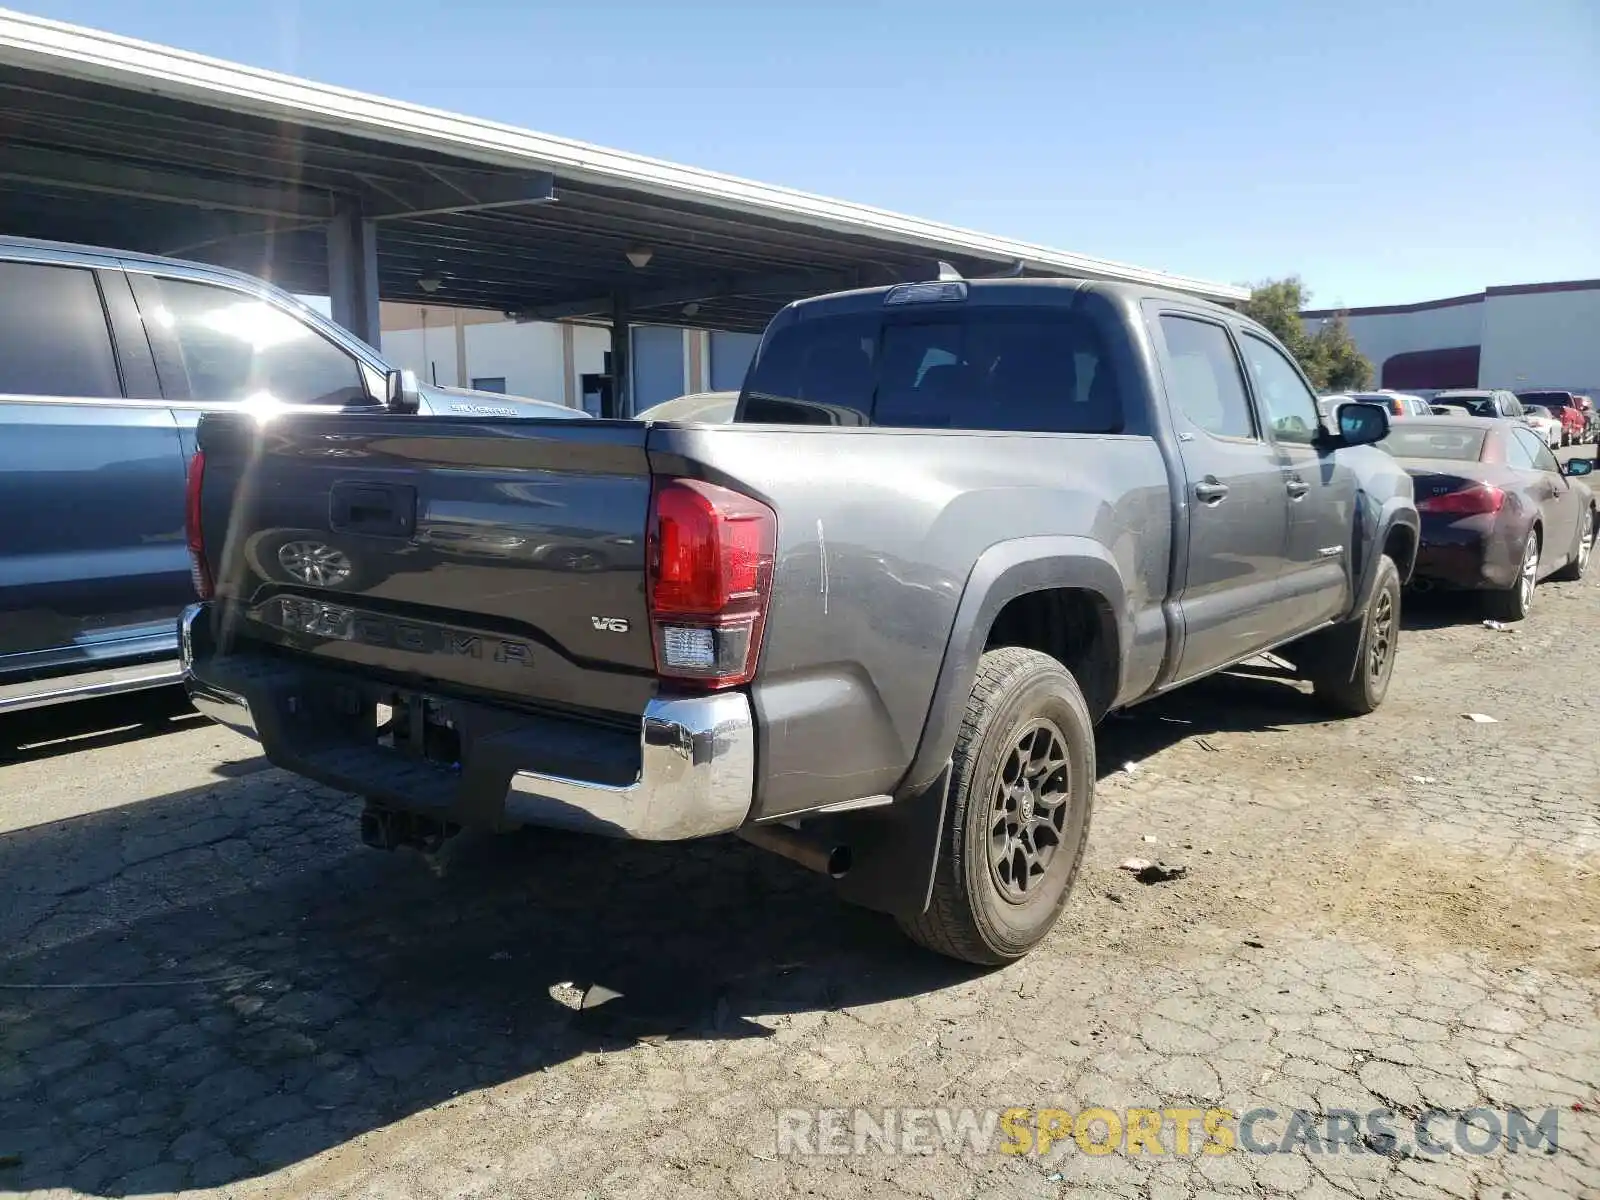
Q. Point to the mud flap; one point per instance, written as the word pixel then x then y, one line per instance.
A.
pixel 894 851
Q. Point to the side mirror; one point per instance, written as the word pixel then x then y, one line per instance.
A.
pixel 401 392
pixel 1578 466
pixel 1362 424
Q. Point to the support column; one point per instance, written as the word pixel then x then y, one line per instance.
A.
pixel 621 359
pixel 353 271
pixel 569 367
pixel 694 360
pixel 463 376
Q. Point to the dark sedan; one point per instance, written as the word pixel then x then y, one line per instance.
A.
pixel 1498 511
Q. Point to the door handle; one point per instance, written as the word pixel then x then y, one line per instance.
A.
pixel 1296 487
pixel 1210 490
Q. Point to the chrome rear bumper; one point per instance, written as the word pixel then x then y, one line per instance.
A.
pixel 696 775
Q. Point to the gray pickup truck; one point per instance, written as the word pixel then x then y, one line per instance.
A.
pixel 870 623
pixel 107 361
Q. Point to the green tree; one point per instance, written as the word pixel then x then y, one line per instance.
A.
pixel 1347 368
pixel 1329 357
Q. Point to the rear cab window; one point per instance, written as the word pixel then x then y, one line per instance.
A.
pixel 1041 368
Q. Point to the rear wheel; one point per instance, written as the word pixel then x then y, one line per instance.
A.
pixel 1579 562
pixel 1351 664
pixel 1513 603
pixel 1021 790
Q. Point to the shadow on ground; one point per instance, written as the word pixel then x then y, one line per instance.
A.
pixel 40 733
pixel 212 985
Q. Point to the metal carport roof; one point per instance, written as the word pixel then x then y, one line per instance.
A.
pixel 112 141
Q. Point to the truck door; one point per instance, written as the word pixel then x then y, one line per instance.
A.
pixel 93 566
pixel 1321 491
pixel 1234 505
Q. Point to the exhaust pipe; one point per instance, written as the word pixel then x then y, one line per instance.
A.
pixel 1421 586
pixel 825 859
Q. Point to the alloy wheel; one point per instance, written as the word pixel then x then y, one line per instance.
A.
pixel 1530 572
pixel 1380 637
pixel 1029 811
pixel 315 563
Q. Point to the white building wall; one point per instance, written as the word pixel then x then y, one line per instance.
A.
pixel 527 357
pixel 1542 339
pixel 590 345
pixel 532 359
pixel 430 352
pixel 1383 335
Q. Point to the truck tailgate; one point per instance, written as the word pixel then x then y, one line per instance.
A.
pixel 503 557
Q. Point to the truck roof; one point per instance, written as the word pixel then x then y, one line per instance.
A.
pixel 1020 288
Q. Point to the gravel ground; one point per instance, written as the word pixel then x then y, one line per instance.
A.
pixel 206 983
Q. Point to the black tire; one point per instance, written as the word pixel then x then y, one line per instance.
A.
pixel 1020 702
pixel 1578 564
pixel 1350 665
pixel 1513 603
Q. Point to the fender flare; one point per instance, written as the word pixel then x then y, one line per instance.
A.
pixel 1396 512
pixel 1003 572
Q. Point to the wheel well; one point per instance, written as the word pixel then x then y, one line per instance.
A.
pixel 1401 545
pixel 1073 626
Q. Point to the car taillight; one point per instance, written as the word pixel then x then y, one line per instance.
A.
pixel 1479 498
pixel 710 578
pixel 199 571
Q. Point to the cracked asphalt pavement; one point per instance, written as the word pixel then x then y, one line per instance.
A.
pixel 207 984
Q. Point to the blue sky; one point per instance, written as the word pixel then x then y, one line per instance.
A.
pixel 1385 151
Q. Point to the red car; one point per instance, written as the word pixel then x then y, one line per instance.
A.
pixel 1565 406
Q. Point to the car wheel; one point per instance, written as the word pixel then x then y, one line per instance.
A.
pixel 1351 664
pixel 1579 562
pixel 1021 790
pixel 304 558
pixel 1513 603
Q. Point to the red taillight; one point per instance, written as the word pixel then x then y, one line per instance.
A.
pixel 199 571
pixel 1479 498
pixel 710 577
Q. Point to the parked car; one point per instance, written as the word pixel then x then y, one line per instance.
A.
pixel 1499 513
pixel 1565 407
pixel 713 407
pixel 870 623
pixel 1548 427
pixel 1591 416
pixel 1480 402
pixel 1398 404
pixel 107 361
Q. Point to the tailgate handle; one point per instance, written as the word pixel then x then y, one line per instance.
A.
pixel 383 509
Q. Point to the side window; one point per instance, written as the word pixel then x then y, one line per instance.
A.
pixel 53 335
pixel 1289 406
pixel 1520 451
pixel 231 346
pixel 1539 456
pixel 1206 383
